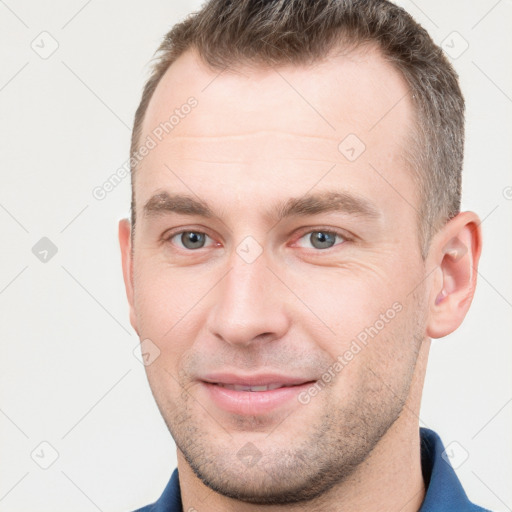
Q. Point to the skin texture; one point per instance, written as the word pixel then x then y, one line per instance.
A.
pixel 257 137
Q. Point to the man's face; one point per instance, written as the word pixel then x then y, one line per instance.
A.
pixel 271 289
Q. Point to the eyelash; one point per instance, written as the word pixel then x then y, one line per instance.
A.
pixel 342 234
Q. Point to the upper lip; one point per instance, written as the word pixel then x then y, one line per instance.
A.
pixel 262 379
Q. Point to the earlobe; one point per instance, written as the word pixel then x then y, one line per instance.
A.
pixel 455 250
pixel 125 243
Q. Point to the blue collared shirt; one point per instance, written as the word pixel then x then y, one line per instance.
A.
pixel 444 492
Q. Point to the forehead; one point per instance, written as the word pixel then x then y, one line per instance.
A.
pixel 255 124
pixel 346 89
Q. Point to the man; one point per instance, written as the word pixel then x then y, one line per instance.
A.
pixel 295 243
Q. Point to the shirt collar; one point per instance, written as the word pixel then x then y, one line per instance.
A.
pixel 444 491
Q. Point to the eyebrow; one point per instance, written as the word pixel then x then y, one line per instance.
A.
pixel 311 204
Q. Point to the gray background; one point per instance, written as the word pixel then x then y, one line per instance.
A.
pixel 69 377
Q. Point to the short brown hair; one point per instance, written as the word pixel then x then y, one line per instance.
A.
pixel 273 32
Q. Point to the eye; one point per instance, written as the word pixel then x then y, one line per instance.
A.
pixel 189 239
pixel 322 239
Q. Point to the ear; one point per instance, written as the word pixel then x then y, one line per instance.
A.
pixel 125 242
pixel 455 251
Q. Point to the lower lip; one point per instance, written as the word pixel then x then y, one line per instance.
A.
pixel 253 402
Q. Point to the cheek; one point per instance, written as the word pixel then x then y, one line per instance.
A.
pixel 346 299
pixel 376 363
pixel 370 310
pixel 167 302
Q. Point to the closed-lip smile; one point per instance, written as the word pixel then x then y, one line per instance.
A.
pixel 253 394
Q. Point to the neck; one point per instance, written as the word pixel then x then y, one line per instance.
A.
pixel 389 479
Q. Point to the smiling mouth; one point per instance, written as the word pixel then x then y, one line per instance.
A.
pixel 241 387
pixel 253 395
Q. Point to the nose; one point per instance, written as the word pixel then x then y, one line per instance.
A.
pixel 249 304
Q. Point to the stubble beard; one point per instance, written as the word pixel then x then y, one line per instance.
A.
pixel 318 456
